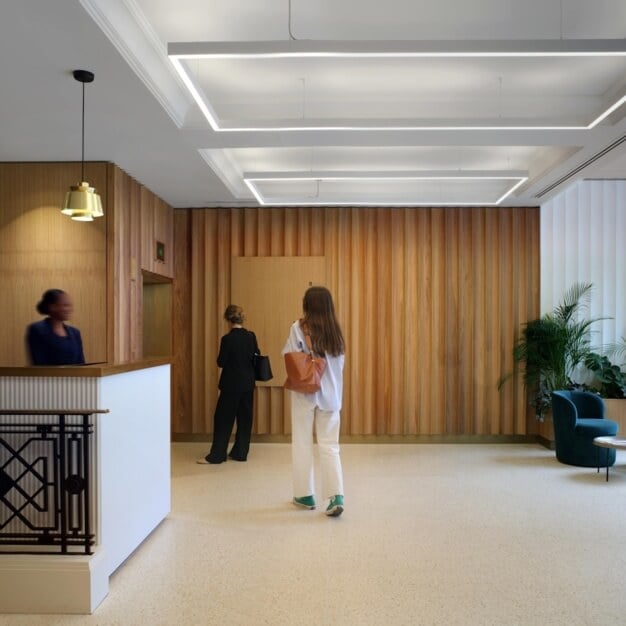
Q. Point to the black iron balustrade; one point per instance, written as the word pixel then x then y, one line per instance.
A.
pixel 45 481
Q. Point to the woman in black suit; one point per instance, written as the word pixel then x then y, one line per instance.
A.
pixel 237 382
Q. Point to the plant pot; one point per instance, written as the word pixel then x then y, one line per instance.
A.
pixel 616 411
pixel 545 432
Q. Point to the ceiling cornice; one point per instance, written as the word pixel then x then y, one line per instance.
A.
pixel 227 171
pixel 125 25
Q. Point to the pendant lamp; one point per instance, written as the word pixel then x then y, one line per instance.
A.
pixel 82 203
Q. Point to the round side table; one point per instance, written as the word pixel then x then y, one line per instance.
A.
pixel 609 442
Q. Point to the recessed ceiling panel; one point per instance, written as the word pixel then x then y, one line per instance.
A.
pixel 536 159
pixel 489 174
pixel 401 189
pixel 329 86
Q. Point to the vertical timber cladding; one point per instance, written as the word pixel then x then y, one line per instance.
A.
pixel 138 219
pixel 42 249
pixel 430 301
pixel 258 284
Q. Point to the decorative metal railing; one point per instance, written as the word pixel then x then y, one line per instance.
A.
pixel 46 481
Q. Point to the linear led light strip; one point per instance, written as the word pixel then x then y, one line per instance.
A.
pixel 178 52
pixel 252 178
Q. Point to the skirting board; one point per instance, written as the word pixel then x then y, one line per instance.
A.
pixel 52 584
pixel 347 439
pixel 545 442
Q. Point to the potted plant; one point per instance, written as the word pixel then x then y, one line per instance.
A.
pixel 552 347
pixel 610 382
pixel 608 378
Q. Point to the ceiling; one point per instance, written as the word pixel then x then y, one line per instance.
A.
pixel 343 102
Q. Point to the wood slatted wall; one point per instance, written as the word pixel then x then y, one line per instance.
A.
pixel 98 263
pixel 42 249
pixel 430 301
pixel 137 220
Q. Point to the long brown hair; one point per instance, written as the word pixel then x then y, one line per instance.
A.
pixel 320 322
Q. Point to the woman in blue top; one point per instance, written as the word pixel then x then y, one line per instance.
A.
pixel 51 341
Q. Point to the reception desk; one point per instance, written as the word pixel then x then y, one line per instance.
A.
pixel 130 476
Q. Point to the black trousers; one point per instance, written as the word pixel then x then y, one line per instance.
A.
pixel 231 406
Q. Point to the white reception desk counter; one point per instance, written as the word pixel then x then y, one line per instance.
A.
pixel 130 457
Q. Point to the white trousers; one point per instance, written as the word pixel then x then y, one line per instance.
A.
pixel 304 417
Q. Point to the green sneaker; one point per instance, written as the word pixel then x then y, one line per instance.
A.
pixel 335 506
pixel 306 502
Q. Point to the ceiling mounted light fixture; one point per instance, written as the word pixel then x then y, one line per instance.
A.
pixel 412 188
pixel 82 203
pixel 188 57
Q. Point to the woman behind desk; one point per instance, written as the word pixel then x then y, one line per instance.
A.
pixel 51 341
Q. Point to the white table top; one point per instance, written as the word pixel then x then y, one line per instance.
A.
pixel 610 442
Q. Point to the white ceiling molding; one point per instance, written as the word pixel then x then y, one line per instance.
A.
pixel 418 188
pixel 227 170
pixel 124 23
pixel 475 105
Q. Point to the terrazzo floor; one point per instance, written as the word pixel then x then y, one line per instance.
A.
pixel 431 534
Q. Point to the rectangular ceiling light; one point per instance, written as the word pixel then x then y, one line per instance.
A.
pixel 506 183
pixel 182 53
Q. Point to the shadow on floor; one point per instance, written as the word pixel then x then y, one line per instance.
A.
pixel 617 476
pixel 528 461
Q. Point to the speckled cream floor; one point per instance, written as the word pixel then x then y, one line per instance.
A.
pixel 432 534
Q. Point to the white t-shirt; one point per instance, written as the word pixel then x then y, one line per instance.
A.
pixel 328 398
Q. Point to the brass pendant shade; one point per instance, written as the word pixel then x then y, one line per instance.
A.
pixel 82 202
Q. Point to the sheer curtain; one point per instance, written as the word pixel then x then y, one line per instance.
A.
pixel 583 239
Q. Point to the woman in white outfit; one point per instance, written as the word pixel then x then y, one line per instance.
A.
pixel 319 410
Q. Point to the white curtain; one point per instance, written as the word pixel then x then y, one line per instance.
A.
pixel 583 239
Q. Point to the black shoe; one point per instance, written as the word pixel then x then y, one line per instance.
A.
pixel 208 460
pixel 237 458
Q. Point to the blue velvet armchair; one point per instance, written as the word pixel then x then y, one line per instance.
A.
pixel 578 418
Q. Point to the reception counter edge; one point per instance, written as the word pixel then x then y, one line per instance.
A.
pixel 94 370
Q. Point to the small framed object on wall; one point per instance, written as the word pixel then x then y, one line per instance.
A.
pixel 160 251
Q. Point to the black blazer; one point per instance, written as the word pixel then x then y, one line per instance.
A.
pixel 236 358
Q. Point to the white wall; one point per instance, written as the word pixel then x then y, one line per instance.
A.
pixel 583 239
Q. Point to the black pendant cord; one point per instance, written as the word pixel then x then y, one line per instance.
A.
pixel 83 76
pixel 82 154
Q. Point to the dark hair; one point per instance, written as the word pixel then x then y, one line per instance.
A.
pixel 320 322
pixel 234 314
pixel 49 297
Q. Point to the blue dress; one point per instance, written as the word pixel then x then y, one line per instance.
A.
pixel 47 348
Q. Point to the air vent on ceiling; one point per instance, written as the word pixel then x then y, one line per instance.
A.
pixel 582 166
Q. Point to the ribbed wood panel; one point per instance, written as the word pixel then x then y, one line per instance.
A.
pixel 138 220
pixel 582 240
pixel 181 320
pixel 42 249
pixel 430 301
